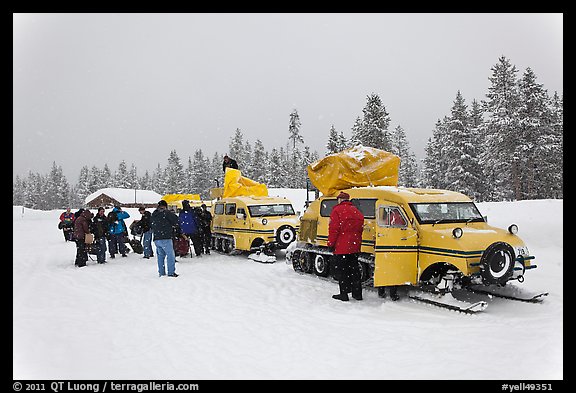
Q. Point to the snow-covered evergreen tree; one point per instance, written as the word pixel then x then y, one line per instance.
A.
pixel 408 171
pixel 107 180
pixel 145 182
pixel 83 185
pixel 342 141
pixel 236 149
pixel 373 131
pixel 248 167
pixel 463 173
pixel 537 142
pixel 435 165
pixel 18 192
pixel 554 171
pixel 356 132
pixel 333 144
pixel 201 177
pixel 158 180
pixel 175 180
pixel 500 157
pixel 122 176
pixel 294 129
pixel 260 162
pixel 276 174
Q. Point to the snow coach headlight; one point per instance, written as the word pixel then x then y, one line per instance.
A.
pixel 513 229
pixel 457 233
pixel 264 221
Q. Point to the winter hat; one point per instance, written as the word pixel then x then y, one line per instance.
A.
pixel 343 195
pixel 162 203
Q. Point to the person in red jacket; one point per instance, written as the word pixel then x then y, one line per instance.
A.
pixel 345 238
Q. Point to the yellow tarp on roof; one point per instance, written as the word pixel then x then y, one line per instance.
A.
pixel 359 166
pixel 237 185
pixel 180 197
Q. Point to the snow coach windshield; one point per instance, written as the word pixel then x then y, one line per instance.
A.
pixel 271 210
pixel 446 212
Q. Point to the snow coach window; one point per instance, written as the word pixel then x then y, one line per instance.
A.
pixel 219 208
pixel 366 206
pixel 446 212
pixel 271 210
pixel 326 207
pixel 230 209
pixel 391 216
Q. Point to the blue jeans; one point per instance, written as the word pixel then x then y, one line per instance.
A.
pixel 101 256
pixel 147 243
pixel 165 249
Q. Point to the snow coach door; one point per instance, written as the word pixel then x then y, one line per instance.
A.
pixel 396 251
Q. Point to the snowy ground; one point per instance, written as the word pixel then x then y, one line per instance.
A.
pixel 227 317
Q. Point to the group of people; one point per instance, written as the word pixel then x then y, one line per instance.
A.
pixel 108 232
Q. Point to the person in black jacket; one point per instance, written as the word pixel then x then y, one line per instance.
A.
pixel 205 223
pixel 144 224
pixel 101 226
pixel 164 224
pixel 229 163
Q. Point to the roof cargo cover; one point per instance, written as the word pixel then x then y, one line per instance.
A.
pixel 237 185
pixel 358 166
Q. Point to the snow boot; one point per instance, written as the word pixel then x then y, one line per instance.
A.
pixel 343 297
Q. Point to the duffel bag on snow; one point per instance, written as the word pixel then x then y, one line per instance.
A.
pixel 136 246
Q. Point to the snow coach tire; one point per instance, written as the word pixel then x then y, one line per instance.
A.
pixel 303 262
pixel 285 235
pixel 321 265
pixel 497 263
pixel 227 246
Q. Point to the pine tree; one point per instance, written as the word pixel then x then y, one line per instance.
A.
pixel 260 162
pixel 122 176
pixel 276 175
pixel 554 171
pixel 248 167
pixel 435 165
pixel 500 156
pixel 106 177
pixel 236 148
pixel 174 175
pixel 342 142
pixel 159 181
pixel 357 127
pixel 536 139
pixel 82 188
pixel 294 129
pixel 462 171
pixel 333 144
pixel 408 171
pixel 374 129
pixel 18 192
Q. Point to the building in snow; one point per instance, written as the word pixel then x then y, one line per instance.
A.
pixel 124 197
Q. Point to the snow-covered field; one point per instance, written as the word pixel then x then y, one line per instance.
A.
pixel 227 317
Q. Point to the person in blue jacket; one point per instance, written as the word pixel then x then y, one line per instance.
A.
pixel 190 226
pixel 117 231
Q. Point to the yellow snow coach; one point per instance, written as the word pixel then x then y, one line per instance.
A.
pixel 245 218
pixel 426 241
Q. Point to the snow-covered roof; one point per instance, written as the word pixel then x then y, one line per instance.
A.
pixel 127 195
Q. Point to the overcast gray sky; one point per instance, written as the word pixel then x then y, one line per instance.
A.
pixel 90 89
